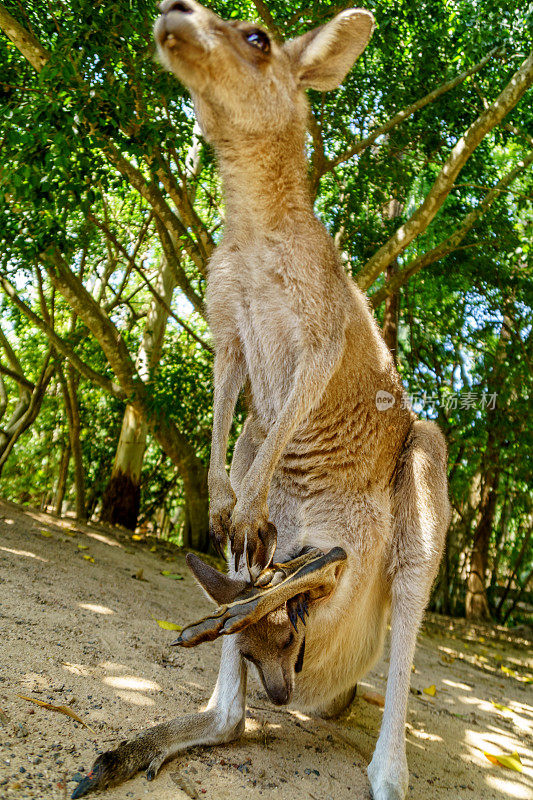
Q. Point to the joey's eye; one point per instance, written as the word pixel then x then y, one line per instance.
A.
pixel 259 39
pixel 289 641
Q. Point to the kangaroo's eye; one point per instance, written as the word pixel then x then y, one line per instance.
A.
pixel 259 39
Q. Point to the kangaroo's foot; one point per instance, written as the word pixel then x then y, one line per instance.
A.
pixel 148 751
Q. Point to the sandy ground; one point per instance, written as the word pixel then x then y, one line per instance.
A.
pixel 82 635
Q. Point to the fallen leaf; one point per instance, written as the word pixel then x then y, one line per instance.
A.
pixel 60 709
pixel 46 534
pixel 71 533
pixel 136 537
pixel 89 558
pixel 374 698
pixel 508 670
pixel 169 574
pixel 83 547
pixel 153 548
pixel 502 760
pixel 168 626
pixel 430 690
pixel 481 639
pixel 500 707
pixel 185 785
pixel 447 659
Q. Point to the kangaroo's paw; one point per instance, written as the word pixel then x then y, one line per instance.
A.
pixel 389 778
pixel 115 766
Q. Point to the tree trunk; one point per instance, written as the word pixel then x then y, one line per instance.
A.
pixel 62 479
pixel 392 210
pixel 196 527
pixel 391 316
pixel 524 550
pixel 477 605
pixel 518 596
pixel 122 497
pixel 74 429
pixel 19 424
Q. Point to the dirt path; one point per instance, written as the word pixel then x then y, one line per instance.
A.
pixel 82 635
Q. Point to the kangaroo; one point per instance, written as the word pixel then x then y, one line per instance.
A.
pixel 335 508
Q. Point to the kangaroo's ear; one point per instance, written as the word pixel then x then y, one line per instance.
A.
pixel 321 58
pixel 220 587
pixel 314 574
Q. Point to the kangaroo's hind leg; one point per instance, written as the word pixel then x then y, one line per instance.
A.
pixel 421 514
pixel 222 721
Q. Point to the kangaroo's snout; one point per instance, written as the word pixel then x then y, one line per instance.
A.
pixel 278 694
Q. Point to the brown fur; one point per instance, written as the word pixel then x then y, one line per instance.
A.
pixel 316 457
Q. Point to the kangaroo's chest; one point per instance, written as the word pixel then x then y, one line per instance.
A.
pixel 266 324
pixel 269 335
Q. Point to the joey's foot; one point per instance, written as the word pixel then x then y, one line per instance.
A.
pixel 389 777
pixel 115 766
pixel 254 537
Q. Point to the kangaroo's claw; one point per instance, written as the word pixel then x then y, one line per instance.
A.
pixel 87 784
pixel 291 610
pixel 298 607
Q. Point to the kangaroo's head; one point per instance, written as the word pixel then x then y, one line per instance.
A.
pixel 242 79
pixel 269 619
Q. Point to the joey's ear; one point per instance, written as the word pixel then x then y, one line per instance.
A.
pixel 220 587
pixel 322 58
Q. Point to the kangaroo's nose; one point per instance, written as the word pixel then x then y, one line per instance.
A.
pixel 181 6
pixel 279 695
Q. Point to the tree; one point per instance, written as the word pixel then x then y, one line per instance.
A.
pixel 116 133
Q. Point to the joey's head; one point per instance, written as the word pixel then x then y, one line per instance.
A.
pixel 277 649
pixel 271 618
pixel 242 80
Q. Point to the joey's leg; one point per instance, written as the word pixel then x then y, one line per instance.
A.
pixel 420 518
pixel 228 380
pixel 222 721
pixel 250 514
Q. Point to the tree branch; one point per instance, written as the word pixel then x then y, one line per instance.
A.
pixel 27 45
pixel 23 40
pixel 153 196
pixel 267 18
pixel 20 379
pixel 451 242
pixel 407 112
pixel 60 345
pixel 173 442
pixel 506 100
pixel 152 288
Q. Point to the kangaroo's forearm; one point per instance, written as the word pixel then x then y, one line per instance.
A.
pixel 310 382
pixel 229 379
